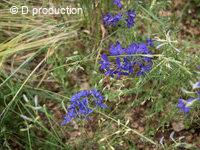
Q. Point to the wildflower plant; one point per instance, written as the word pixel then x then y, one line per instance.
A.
pixel 113 19
pixel 135 60
pixel 129 61
pixel 81 104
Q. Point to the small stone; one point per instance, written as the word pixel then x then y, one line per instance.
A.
pixel 178 126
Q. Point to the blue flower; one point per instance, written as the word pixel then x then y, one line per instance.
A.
pixel 150 42
pixel 83 107
pixel 116 49
pixel 196 85
pixel 182 106
pixel 110 72
pixel 185 105
pixel 138 48
pixel 130 21
pixel 117 3
pixel 110 20
pixel 80 104
pixel 144 69
pixel 105 64
pixel 107 18
pixel 98 98
pixel 120 68
pixel 127 60
pixel 70 115
pixel 128 65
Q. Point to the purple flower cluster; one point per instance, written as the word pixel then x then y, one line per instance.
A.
pixel 186 105
pixel 118 3
pixel 80 104
pixel 132 60
pixel 130 21
pixel 112 20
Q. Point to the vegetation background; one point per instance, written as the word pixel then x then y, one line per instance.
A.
pixel 45 59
